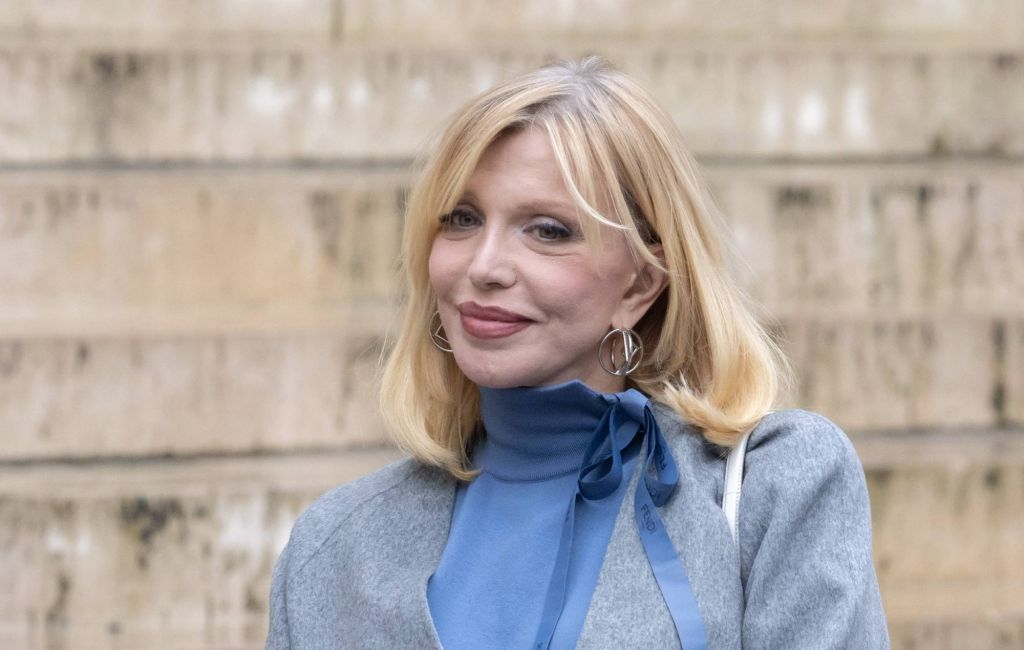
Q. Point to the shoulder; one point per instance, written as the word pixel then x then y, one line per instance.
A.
pixel 342 507
pixel 802 473
pixel 786 438
pixel 791 455
pixel 796 442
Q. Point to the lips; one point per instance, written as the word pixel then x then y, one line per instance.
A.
pixel 490 322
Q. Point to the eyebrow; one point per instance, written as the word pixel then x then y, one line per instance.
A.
pixel 535 205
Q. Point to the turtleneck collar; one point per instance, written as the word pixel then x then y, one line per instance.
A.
pixel 538 433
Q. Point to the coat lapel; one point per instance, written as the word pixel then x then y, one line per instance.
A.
pixel 627 610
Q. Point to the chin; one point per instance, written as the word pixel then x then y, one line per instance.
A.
pixel 498 379
pixel 499 376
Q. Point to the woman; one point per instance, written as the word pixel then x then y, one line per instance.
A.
pixel 573 367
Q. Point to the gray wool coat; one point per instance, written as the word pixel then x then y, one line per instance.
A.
pixel 354 573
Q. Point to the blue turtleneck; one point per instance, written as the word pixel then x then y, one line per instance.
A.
pixel 490 588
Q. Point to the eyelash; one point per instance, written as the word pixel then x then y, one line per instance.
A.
pixel 562 231
pixel 447 219
pixel 448 222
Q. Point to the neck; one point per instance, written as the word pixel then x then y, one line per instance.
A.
pixel 538 432
pixel 605 383
pixel 598 381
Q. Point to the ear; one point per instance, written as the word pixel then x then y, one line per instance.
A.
pixel 648 283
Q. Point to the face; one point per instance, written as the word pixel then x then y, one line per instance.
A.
pixel 524 300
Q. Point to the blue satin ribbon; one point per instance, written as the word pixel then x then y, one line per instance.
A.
pixel 628 416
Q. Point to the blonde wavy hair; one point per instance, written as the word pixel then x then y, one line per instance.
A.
pixel 707 355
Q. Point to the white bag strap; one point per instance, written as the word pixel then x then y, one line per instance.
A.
pixel 733 484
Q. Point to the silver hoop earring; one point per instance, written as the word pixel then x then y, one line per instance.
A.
pixel 437 336
pixel 632 352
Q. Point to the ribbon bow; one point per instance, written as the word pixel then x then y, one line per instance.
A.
pixel 630 415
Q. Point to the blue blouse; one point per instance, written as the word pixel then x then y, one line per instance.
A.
pixel 491 586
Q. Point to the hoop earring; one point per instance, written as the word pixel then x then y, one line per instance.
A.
pixel 632 352
pixel 437 336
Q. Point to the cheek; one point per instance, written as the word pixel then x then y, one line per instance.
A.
pixel 578 297
pixel 439 267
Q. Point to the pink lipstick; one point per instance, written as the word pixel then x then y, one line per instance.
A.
pixel 490 322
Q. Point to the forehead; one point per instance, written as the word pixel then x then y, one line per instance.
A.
pixel 520 162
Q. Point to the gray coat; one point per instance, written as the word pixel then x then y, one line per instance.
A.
pixel 354 573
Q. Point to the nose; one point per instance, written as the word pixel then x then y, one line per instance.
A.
pixel 493 263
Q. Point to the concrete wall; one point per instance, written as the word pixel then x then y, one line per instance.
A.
pixel 200 212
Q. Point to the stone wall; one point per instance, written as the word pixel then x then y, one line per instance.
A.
pixel 200 213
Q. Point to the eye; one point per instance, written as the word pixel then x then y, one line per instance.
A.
pixel 459 219
pixel 549 230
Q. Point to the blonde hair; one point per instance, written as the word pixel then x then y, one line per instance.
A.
pixel 706 354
